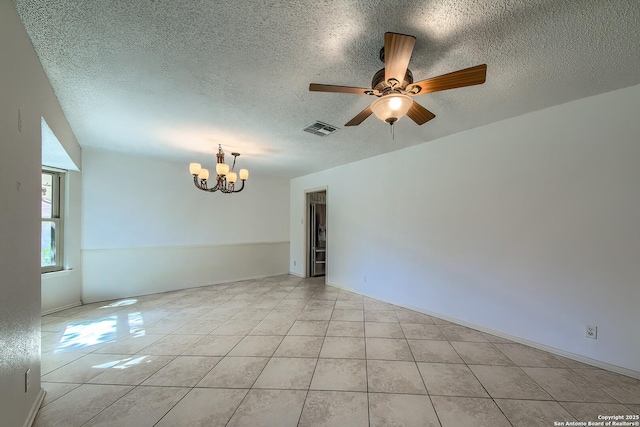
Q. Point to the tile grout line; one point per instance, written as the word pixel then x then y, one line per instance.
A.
pixel 482 385
pixel 316 366
pixel 174 405
pixel 123 396
pixel 263 368
pixel 366 365
pixel 420 373
pixel 111 404
pixel 230 350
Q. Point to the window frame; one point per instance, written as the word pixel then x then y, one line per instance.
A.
pixel 57 216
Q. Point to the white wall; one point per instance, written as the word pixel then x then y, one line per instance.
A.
pixel 26 98
pixel 147 229
pixel 529 226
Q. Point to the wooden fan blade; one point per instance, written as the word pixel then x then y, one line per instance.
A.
pixel 461 78
pixel 315 87
pixel 397 54
pixel 360 117
pixel 419 114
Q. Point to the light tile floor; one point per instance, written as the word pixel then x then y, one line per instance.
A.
pixel 283 351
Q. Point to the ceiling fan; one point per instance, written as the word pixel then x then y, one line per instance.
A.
pixel 394 86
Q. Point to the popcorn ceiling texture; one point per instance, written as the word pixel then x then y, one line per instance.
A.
pixel 173 78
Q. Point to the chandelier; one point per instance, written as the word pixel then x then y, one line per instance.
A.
pixel 226 178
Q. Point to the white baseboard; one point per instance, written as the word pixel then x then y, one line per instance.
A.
pixel 241 279
pixel 543 347
pixel 34 408
pixel 64 307
pixel 296 274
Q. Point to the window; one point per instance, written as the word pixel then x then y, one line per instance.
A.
pixel 52 220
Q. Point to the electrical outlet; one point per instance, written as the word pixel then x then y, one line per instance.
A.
pixel 27 380
pixel 592 332
pixel 294 262
pixel 364 279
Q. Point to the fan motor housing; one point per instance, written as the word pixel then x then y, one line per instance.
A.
pixel 378 82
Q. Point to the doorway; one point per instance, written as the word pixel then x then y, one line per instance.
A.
pixel 317 233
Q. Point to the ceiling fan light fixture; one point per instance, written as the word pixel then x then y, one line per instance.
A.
pixel 391 108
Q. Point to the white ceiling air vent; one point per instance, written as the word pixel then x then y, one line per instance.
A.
pixel 320 129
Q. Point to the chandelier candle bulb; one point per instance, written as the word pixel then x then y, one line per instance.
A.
pixel 222 168
pixel 194 168
pixel 204 174
pixel 244 174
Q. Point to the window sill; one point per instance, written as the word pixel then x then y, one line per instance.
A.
pixel 59 273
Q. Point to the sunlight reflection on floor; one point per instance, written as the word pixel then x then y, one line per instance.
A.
pixel 121 303
pixel 117 364
pixel 89 333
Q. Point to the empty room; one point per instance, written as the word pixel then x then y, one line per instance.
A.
pixel 278 213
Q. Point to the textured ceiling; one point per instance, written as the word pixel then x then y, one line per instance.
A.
pixel 173 78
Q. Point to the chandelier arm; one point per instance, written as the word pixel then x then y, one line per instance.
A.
pixel 211 190
pixel 219 182
pixel 241 188
pixel 195 182
pixel 224 184
pixel 202 185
